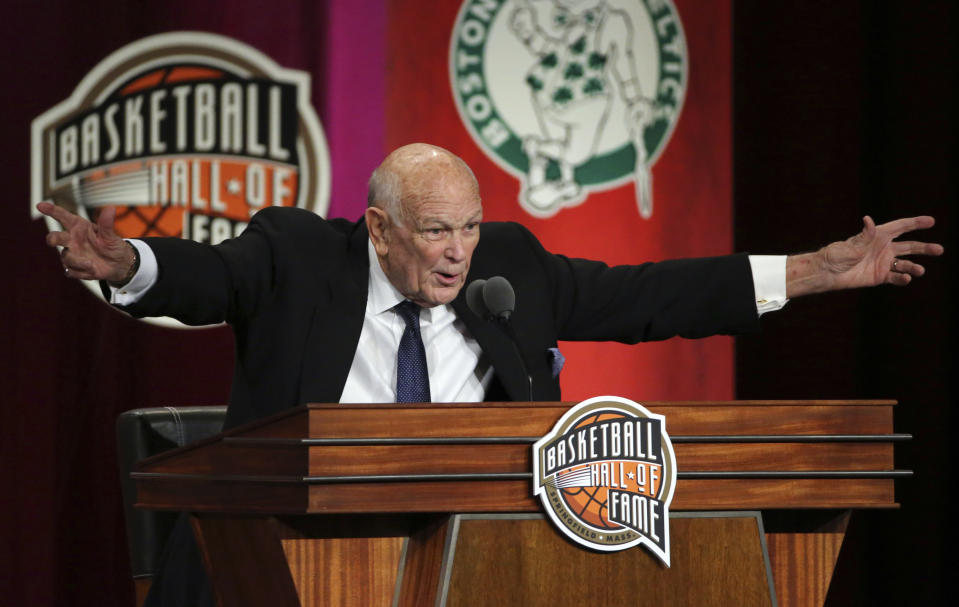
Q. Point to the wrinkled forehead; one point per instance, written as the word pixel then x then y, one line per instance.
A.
pixel 427 179
pixel 446 196
pixel 439 181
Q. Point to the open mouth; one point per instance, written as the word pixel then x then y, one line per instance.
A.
pixel 447 279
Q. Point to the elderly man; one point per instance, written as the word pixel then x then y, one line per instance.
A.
pixel 374 311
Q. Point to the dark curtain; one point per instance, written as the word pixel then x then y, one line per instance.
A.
pixel 844 109
pixel 70 364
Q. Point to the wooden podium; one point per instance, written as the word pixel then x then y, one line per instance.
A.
pixel 431 504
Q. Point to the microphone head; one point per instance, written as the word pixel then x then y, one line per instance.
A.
pixel 499 297
pixel 474 298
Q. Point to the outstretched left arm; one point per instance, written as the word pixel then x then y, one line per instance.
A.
pixel 871 257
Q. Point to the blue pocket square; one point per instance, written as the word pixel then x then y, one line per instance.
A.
pixel 556 360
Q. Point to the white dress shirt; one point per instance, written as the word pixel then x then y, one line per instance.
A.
pixel 459 372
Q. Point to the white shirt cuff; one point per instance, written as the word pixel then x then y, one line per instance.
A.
pixel 141 282
pixel 769 280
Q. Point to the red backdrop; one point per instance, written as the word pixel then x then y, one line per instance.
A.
pixel 692 189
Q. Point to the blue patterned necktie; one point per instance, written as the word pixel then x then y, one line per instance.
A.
pixel 412 377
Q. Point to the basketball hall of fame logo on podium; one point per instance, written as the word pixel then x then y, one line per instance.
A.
pixel 606 475
pixel 187 134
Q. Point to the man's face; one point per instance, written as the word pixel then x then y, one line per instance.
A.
pixel 426 254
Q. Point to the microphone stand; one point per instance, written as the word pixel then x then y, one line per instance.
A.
pixel 495 299
pixel 504 323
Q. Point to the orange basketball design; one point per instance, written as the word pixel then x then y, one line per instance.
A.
pixel 153 220
pixel 590 502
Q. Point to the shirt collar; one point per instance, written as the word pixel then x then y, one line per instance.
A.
pixel 384 296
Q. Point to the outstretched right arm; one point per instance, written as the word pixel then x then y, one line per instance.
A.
pixel 192 282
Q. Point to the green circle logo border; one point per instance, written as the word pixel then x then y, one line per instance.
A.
pixel 510 156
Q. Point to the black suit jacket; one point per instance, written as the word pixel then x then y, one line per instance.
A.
pixel 294 288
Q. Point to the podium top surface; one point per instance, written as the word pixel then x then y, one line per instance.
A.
pixel 476 457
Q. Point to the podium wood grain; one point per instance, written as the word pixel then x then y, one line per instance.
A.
pixel 351 504
pixel 715 561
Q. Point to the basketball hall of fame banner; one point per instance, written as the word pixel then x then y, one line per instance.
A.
pixel 602 125
pixel 187 134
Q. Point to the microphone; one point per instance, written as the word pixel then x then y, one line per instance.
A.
pixel 495 298
pixel 474 299
pixel 499 297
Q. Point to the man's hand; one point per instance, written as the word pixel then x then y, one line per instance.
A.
pixel 90 251
pixel 871 257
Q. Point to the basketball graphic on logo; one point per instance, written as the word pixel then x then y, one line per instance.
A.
pixel 107 185
pixel 606 473
pixel 590 502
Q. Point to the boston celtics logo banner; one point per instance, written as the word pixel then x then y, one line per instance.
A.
pixel 570 97
pixel 602 125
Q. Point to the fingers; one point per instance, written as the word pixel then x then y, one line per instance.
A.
pixel 897 227
pixel 105 222
pixel 65 217
pixel 906 267
pixel 76 267
pixel 74 261
pixel 79 274
pixel 903 271
pixel 58 239
pixel 899 280
pixel 912 247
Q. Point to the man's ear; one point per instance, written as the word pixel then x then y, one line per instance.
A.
pixel 378 224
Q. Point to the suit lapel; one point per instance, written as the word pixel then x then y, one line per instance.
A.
pixel 336 324
pixel 498 346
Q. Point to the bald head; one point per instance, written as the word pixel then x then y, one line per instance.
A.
pixel 410 170
pixel 423 217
